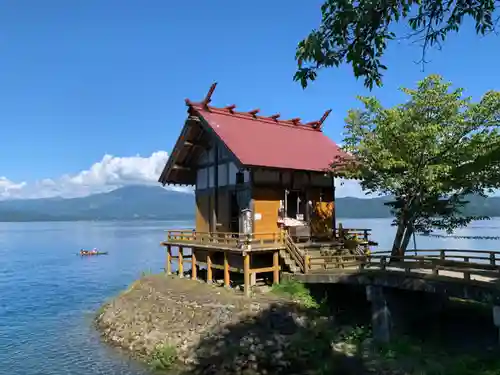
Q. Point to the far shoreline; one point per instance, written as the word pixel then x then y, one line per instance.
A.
pixel 191 220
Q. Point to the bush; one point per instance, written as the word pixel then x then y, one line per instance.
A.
pixel 296 291
pixel 163 358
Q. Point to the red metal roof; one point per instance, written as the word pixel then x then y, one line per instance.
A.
pixel 270 142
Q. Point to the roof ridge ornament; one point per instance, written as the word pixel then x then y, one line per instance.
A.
pixel 254 112
pixel 208 97
pixel 322 119
pixel 230 109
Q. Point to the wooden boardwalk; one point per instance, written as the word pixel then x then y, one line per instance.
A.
pixel 465 274
pixel 479 265
pixel 473 274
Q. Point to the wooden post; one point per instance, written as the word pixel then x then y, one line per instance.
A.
pixel 365 236
pixel 209 267
pixel 193 265
pixel 169 260
pixel 227 281
pixel 181 262
pixel 307 263
pixel 383 263
pixel 246 273
pixel 492 258
pixel 276 265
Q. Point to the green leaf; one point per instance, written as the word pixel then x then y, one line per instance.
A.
pixel 429 153
pixel 357 32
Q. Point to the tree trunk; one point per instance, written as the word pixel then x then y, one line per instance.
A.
pixel 406 239
pixel 396 246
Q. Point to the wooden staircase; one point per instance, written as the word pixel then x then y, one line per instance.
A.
pixel 294 258
pixel 302 259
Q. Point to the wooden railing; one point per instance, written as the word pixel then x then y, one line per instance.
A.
pixel 464 256
pixel 483 263
pixel 236 240
pixel 357 233
pixel 295 253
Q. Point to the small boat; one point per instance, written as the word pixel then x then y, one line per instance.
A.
pixel 84 253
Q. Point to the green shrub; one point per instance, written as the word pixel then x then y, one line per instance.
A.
pixel 296 291
pixel 163 358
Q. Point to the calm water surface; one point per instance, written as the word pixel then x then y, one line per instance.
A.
pixel 48 295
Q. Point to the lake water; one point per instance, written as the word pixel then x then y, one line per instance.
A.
pixel 48 295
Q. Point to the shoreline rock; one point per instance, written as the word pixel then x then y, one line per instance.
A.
pixel 164 310
pixel 208 330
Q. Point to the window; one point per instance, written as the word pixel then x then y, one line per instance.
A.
pixel 201 179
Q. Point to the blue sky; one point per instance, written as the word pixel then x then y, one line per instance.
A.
pixel 84 78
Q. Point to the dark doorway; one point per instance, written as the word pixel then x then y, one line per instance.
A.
pixel 235 214
pixel 295 205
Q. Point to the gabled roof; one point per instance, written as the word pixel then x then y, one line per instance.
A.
pixel 260 141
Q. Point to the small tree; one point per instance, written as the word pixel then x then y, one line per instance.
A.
pixel 428 154
pixel 357 32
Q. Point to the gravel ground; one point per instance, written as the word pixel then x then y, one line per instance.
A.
pixel 215 331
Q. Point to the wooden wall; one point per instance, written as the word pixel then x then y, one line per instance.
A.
pixel 205 202
pixel 267 204
pixel 202 212
pixel 224 210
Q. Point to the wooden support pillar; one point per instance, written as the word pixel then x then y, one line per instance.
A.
pixel 209 267
pixel 181 262
pixel 307 263
pixel 496 320
pixel 381 315
pixel 168 267
pixel 193 265
pixel 276 266
pixel 246 273
pixel 227 281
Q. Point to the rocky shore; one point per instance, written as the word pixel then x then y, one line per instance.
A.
pixel 189 327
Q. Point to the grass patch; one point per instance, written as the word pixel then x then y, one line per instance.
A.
pixel 296 291
pixel 164 358
pixel 427 359
pixel 356 335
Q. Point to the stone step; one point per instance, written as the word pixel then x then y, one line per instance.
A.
pixel 289 261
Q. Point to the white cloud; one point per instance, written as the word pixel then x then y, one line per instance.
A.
pixel 9 188
pixel 108 174
pixel 113 172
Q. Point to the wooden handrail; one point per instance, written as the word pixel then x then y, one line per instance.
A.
pixel 295 253
pixel 437 261
pixel 236 241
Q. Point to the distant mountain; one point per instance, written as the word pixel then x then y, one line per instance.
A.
pixel 156 203
pixel 127 203
pixel 375 208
